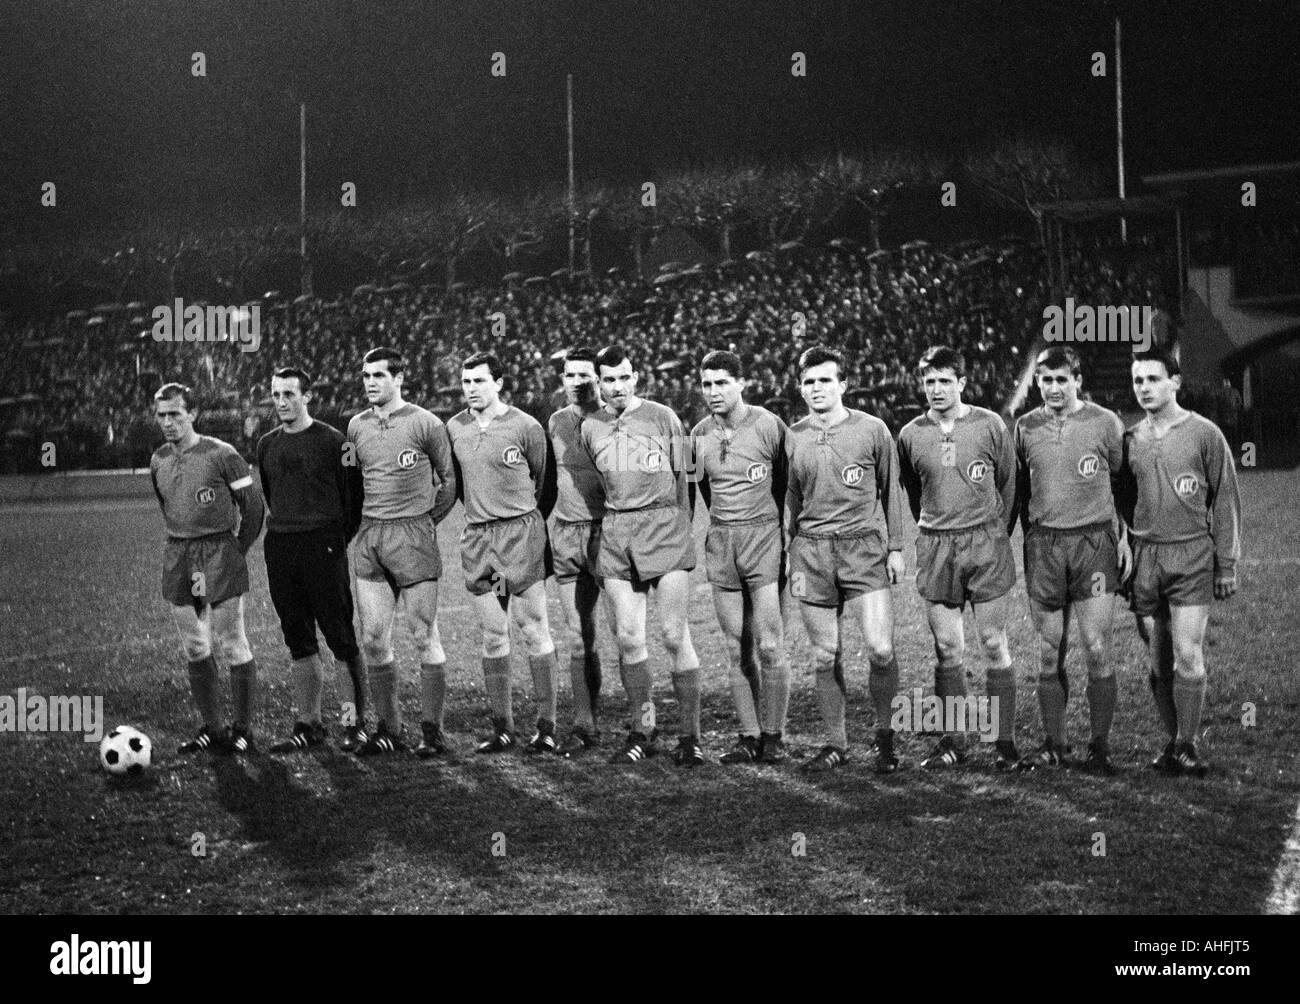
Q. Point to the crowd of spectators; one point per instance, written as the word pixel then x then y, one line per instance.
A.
pixel 85 382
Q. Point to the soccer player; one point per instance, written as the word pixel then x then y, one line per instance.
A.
pixel 959 468
pixel 500 458
pixel 1181 503
pixel 575 542
pixel 311 493
pixel 741 466
pixel 846 547
pixel 206 491
pixel 409 485
pixel 638 447
pixel 1067 453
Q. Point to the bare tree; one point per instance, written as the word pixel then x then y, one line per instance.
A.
pixel 623 209
pixel 454 227
pixel 1026 173
pixel 714 203
pixel 873 183
pixel 517 230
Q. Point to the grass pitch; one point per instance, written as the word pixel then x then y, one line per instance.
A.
pixel 81 614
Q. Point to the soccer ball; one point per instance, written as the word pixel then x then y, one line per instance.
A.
pixel 125 751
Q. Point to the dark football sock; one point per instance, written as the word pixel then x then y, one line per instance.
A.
pixel 950 681
pixel 1189 702
pixel 831 698
pixel 433 692
pixel 243 685
pixel 883 686
pixel 1162 689
pixel 496 678
pixel 591 664
pixel 686 688
pixel 308 685
pixel 1103 695
pixel 545 670
pixel 203 686
pixel 1000 683
pixel 582 701
pixel 356 668
pixel 383 684
pixel 1051 704
pixel 639 686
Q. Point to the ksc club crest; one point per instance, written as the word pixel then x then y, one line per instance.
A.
pixel 205 496
pixel 852 475
pixel 756 473
pixel 1089 465
pixel 977 470
pixel 653 461
pixel 511 456
pixel 1187 484
pixel 406 459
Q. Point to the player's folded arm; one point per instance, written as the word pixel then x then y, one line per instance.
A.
pixel 252 512
pixel 447 483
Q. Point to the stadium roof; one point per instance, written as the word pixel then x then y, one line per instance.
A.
pixel 1218 191
pixel 1183 179
pixel 1083 210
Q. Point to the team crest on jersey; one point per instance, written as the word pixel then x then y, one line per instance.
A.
pixel 1089 465
pixel 1187 484
pixel 976 470
pixel 406 459
pixel 511 456
pixel 205 496
pixel 756 473
pixel 852 475
pixel 653 461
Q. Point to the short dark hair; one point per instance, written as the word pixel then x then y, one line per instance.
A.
pixel 396 364
pixel 581 354
pixel 495 369
pixel 185 392
pixel 292 373
pixel 721 359
pixel 612 355
pixel 1059 357
pixel 942 357
pixel 815 355
pixel 1159 355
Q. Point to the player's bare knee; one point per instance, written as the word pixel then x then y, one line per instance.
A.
pixel 948 651
pixel 994 644
pixel 769 648
pixel 196 648
pixel 234 648
pixel 823 659
pixel 880 652
pixel 629 640
pixel 674 641
pixel 1189 662
pixel 1094 655
pixel 537 637
pixel 376 648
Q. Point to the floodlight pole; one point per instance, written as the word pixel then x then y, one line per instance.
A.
pixel 302 198
pixel 1119 128
pixel 569 103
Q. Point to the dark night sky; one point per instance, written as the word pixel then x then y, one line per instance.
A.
pixel 97 96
